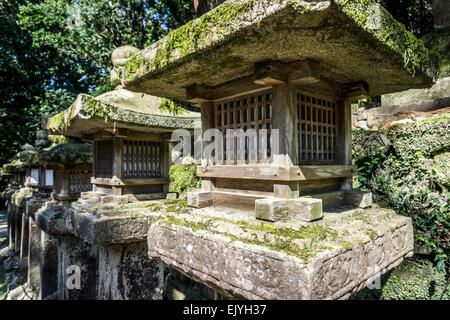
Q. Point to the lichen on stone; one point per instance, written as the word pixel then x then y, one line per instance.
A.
pixel 392 34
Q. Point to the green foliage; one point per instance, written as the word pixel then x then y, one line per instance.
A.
pixel 416 15
pixel 414 279
pixel 439 42
pixel 52 50
pixel 174 107
pixel 183 178
pixel 402 177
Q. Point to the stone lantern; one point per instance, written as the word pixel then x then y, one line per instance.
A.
pixel 289 72
pixel 130 136
pixel 130 133
pixel 286 71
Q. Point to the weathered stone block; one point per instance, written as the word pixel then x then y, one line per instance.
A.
pixel 126 273
pixel 48 265
pixel 107 229
pixel 304 208
pixel 200 199
pixel 24 241
pixel 90 196
pixel 338 199
pixel 34 255
pixel 358 198
pixel 50 220
pixel 240 257
pixel 271 209
pixel 76 257
pixel 333 199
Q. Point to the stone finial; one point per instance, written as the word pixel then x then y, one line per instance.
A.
pixel 118 57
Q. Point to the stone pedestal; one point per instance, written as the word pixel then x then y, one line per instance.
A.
pixel 77 269
pixel 126 273
pixel 34 255
pixel 24 242
pixel 11 226
pixel 238 256
pixel 18 229
pixel 48 265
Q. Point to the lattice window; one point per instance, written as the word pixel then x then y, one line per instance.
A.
pixel 104 159
pixel 316 124
pixel 141 159
pixel 253 111
pixel 80 181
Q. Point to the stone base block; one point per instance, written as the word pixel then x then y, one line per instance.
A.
pixel 90 195
pixel 50 220
pixel 200 199
pixel 48 266
pixel 337 199
pixel 239 256
pixel 274 209
pixel 77 269
pixel 107 230
pixel 358 198
pixel 271 209
pixel 307 209
pixel 34 255
pixel 33 206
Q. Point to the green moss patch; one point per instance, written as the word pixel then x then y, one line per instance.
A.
pixel 280 239
pixel 183 178
pixel 414 279
pixel 392 34
pixel 406 172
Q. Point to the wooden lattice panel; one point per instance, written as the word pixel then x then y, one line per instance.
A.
pixel 104 159
pixel 79 181
pixel 253 111
pixel 141 159
pixel 316 125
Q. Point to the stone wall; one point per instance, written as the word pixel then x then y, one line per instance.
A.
pixel 406 168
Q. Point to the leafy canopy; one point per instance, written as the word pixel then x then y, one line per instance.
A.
pixel 50 51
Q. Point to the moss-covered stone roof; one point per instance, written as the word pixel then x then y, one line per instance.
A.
pixel 12 167
pixel 354 40
pixel 121 109
pixel 66 153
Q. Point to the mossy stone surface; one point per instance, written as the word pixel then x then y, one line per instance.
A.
pixel 119 109
pixel 414 279
pixel 232 252
pixel 224 44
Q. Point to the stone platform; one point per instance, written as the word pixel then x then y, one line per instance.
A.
pixel 237 255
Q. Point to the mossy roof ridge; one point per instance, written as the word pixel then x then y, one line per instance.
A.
pixel 141 102
pixel 66 153
pixel 13 167
pixel 114 108
pixel 224 44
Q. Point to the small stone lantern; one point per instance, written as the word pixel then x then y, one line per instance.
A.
pixel 130 134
